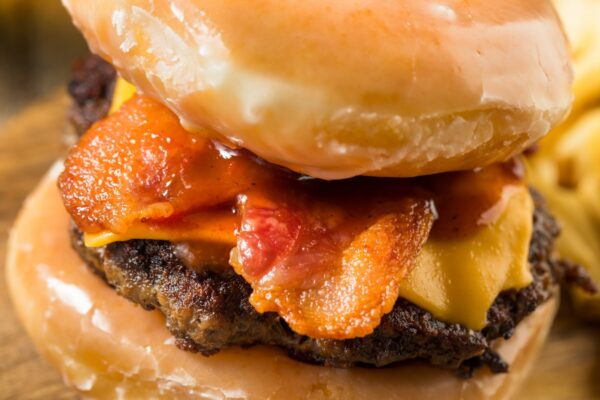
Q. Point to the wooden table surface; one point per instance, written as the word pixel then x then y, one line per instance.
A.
pixel 568 368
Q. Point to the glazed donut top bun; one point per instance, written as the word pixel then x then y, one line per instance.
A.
pixel 340 88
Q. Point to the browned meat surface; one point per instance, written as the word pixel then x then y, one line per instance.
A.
pixel 91 89
pixel 208 311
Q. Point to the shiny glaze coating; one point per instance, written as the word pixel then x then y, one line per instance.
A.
pixel 342 88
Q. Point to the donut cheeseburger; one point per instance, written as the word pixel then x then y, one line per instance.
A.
pixel 300 190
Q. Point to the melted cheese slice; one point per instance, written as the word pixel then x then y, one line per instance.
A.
pixel 455 280
pixel 211 227
pixel 458 280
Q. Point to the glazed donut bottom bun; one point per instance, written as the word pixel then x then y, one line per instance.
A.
pixel 108 348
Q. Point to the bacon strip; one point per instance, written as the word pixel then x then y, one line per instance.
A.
pixel 333 283
pixel 139 164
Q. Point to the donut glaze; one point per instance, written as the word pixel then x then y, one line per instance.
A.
pixel 342 88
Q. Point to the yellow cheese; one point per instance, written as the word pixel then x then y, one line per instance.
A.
pixel 123 92
pixel 210 226
pixel 207 233
pixel 456 280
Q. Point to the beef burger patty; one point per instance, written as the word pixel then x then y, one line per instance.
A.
pixel 208 310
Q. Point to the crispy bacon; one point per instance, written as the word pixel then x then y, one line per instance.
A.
pixel 139 164
pixel 326 256
pixel 330 282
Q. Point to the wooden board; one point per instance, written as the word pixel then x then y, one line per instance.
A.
pixel 568 368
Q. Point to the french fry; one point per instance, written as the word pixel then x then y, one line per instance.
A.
pixel 567 167
pixel 580 18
